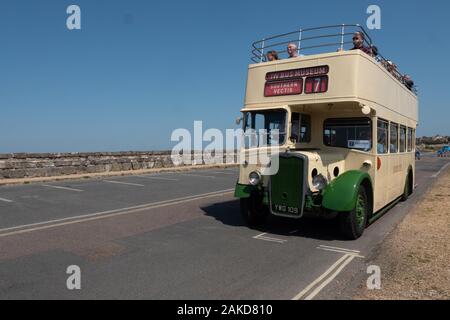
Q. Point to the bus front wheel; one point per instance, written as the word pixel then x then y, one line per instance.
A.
pixel 353 223
pixel 253 211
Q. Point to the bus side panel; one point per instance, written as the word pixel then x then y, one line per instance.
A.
pixel 382 184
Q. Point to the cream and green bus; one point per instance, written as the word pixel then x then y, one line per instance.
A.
pixel 346 131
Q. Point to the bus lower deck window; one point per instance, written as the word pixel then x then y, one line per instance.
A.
pixel 393 133
pixel 402 139
pixel 410 138
pixel 382 137
pixel 350 133
pixel 301 133
pixel 265 128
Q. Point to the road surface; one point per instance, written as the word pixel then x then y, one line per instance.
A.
pixel 176 236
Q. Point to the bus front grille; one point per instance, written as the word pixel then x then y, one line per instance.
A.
pixel 287 186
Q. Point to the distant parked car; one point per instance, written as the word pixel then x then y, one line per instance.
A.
pixel 444 152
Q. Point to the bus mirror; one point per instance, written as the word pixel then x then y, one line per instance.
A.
pixel 238 120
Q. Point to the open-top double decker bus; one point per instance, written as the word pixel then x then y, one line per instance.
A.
pixel 346 126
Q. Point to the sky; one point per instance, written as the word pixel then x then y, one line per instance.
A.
pixel 137 70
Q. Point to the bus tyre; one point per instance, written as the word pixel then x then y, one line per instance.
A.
pixel 353 223
pixel 407 191
pixel 253 211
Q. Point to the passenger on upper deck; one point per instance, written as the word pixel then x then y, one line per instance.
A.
pixel 392 68
pixel 409 83
pixel 272 56
pixel 358 43
pixel 374 51
pixel 292 50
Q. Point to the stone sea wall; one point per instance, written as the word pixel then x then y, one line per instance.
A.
pixel 33 165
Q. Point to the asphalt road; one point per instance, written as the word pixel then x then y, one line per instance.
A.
pixel 176 236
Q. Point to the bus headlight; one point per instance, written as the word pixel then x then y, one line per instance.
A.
pixel 319 182
pixel 254 178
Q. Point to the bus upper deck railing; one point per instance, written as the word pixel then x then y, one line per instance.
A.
pixel 322 40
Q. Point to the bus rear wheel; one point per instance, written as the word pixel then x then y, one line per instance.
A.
pixel 353 223
pixel 253 211
pixel 407 191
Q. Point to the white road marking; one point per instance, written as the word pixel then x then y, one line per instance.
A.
pixel 157 178
pixel 124 183
pixel 342 249
pixel 331 278
pixel 330 274
pixel 223 172
pixel 29 197
pixel 440 171
pixel 6 200
pixel 270 239
pixel 106 214
pixel 292 232
pixel 260 235
pixel 61 188
pixel 196 175
pixel 320 278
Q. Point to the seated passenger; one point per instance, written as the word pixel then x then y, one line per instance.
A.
pixel 295 129
pixel 392 148
pixel 272 56
pixel 374 51
pixel 358 43
pixel 292 50
pixel 381 147
pixel 365 140
pixel 409 83
pixel 392 68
